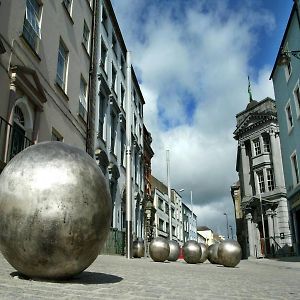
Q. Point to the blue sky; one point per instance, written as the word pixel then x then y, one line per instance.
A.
pixel 192 58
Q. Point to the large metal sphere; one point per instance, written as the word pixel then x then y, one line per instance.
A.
pixel 159 249
pixel 213 253
pixel 191 252
pixel 55 210
pixel 204 252
pixel 138 249
pixel 229 253
pixel 174 251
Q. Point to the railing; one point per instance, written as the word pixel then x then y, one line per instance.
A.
pixel 12 140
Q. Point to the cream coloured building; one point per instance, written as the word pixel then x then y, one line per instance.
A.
pixel 44 73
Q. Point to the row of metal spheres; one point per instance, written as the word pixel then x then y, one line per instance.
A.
pixel 227 253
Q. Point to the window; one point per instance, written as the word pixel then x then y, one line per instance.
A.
pixel 266 140
pixel 167 208
pixel 173 212
pixel 104 20
pixel 295 169
pixel 160 224
pixel 62 64
pixel 103 55
pixel 123 67
pixel 113 77
pixel 270 180
pixel 123 146
pixel 256 144
pixel 102 112
pixel 161 204
pixel 83 98
pixel 113 129
pixel 55 136
pixel 122 96
pixel 86 36
pixel 261 183
pixel 297 99
pixel 288 66
pixel 32 23
pixel 289 116
pixel 114 44
pixel 68 5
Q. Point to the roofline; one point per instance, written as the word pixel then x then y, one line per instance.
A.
pixel 283 39
pixel 258 103
pixel 136 83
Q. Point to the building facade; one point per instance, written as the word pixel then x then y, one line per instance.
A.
pixel 286 81
pixel 263 193
pixel 44 73
pixel 162 216
pixel 189 223
pixel 118 97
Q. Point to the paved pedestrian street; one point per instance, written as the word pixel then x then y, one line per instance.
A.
pixel 115 277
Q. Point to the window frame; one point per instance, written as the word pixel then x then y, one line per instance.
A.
pixel 86 40
pixel 297 98
pixel 256 146
pixel 33 32
pixel 270 179
pixel 82 110
pixel 64 80
pixel 295 169
pixel 261 181
pixel 289 116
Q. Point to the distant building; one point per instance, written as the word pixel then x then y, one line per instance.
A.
pixel 207 233
pixel 286 81
pixel 162 217
pixel 261 179
pixel 189 220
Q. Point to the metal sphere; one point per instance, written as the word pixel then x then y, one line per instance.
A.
pixel 55 211
pixel 174 251
pixel 138 248
pixel 204 252
pixel 159 249
pixel 229 253
pixel 213 253
pixel 191 252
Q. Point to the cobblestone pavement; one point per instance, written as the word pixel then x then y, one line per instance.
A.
pixel 115 277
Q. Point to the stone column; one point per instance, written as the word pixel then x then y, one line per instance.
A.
pixel 246 168
pixel 269 214
pixel 250 234
pixel 276 159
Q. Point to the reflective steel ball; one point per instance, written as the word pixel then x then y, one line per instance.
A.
pixel 174 250
pixel 204 252
pixel 191 252
pixel 159 249
pixel 55 210
pixel 138 249
pixel 213 253
pixel 230 253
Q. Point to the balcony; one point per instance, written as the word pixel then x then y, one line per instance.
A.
pixel 12 141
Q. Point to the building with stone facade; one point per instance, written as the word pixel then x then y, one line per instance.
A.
pixel 286 80
pixel 44 73
pixel 207 234
pixel 262 188
pixel 240 221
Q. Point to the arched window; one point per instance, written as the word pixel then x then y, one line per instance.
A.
pixel 19 116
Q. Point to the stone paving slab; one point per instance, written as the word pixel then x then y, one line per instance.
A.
pixel 115 277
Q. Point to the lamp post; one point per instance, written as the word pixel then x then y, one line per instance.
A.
pixel 225 214
pixel 169 195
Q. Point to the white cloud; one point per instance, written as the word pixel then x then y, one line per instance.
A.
pixel 200 53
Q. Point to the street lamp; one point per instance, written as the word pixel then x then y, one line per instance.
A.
pixel 225 214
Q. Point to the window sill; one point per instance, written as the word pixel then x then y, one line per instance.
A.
pixel 68 13
pixel 62 91
pixel 32 50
